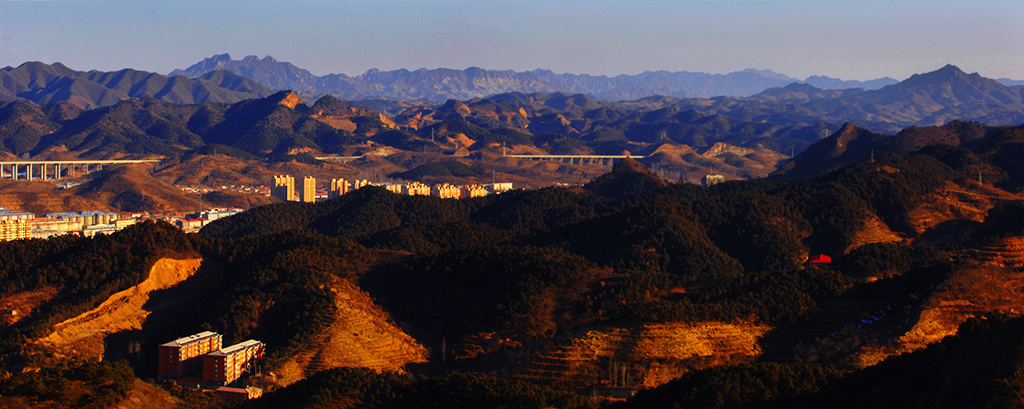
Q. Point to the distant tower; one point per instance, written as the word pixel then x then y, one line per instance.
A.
pixel 308 192
pixel 338 188
pixel 284 188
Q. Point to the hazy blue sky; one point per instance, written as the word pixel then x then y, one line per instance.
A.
pixel 854 39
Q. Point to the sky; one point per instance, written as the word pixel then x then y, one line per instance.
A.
pixel 848 39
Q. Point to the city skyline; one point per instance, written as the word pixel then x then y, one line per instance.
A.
pixel 852 41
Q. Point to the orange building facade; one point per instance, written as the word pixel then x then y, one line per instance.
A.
pixel 226 365
pixel 183 356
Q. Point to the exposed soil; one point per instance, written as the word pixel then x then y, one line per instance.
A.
pixel 642 357
pixel 83 336
pixel 362 336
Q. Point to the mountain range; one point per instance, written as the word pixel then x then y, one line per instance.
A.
pixel 443 83
pixel 43 83
pixel 684 138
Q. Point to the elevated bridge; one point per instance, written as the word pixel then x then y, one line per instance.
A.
pixel 606 160
pixel 52 170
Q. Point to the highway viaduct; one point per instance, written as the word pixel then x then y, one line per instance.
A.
pixel 45 169
pixel 606 160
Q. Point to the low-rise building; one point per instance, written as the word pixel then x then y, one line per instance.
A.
pixel 15 225
pixel 226 365
pixel 415 188
pixel 470 191
pixel 709 180
pixel 183 356
pixel 191 225
pixel 234 395
pixel 446 191
pixel 499 187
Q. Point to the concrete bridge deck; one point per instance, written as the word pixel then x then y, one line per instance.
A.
pixel 25 169
pixel 606 160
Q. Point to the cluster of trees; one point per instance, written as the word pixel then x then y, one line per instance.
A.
pixel 91 385
pixel 365 388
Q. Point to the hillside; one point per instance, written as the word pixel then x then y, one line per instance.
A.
pixel 626 285
pixel 82 337
pixel 852 144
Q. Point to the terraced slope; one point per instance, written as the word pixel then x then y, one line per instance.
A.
pixel 968 202
pixel 874 231
pixel 1006 252
pixel 642 357
pixel 971 291
pixel 362 336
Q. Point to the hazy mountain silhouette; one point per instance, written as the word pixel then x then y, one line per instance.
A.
pixel 444 83
pixel 42 83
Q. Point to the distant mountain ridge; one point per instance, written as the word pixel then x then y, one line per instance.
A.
pixel 443 83
pixel 44 83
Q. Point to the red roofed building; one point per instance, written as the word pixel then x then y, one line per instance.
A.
pixel 821 258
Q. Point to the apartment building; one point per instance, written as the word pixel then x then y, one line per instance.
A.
pixel 308 192
pixel 469 191
pixel 223 366
pixel 338 187
pixel 183 356
pixel 15 225
pixel 284 188
pixel 415 188
pixel 445 191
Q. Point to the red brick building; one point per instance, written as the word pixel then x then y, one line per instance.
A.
pixel 183 356
pixel 226 365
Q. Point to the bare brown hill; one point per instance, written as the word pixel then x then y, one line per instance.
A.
pixel 43 197
pixel 132 188
pixel 362 336
pixel 873 231
pixel 83 336
pixel 937 215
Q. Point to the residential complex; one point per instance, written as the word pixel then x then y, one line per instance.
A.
pixel 199 359
pixel 284 189
pixel 16 225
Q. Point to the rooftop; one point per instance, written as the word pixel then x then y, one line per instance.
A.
pixel 241 346
pixel 191 339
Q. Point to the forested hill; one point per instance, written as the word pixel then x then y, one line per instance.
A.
pixel 1002 146
pixel 592 288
